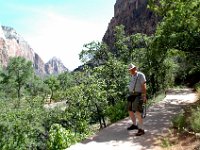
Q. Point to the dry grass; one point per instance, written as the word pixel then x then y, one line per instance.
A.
pixel 179 141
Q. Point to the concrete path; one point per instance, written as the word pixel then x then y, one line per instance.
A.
pixel 156 123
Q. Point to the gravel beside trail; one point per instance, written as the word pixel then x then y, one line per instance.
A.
pixel 156 124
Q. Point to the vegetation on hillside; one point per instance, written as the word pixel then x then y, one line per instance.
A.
pixel 97 94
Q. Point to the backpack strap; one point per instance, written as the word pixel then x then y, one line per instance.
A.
pixel 135 83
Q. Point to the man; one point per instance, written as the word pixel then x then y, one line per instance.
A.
pixel 137 90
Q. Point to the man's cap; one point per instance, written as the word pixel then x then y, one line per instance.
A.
pixel 131 66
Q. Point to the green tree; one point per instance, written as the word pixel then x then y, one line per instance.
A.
pixel 121 44
pixel 53 84
pixel 95 53
pixel 19 73
pixel 65 80
pixel 179 30
pixel 36 88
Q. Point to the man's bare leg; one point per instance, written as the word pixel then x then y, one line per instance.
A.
pixel 132 116
pixel 140 124
pixel 140 120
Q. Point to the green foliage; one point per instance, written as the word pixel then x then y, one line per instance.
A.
pixel 117 112
pixel 194 120
pixel 197 86
pixel 77 113
pixel 21 128
pixel 179 30
pixel 97 93
pixel 166 143
pixel 17 74
pixel 115 75
pixel 89 54
pixel 122 51
pixel 179 121
pixel 53 83
pixel 156 98
pixel 65 80
pixel 35 88
pixel 60 138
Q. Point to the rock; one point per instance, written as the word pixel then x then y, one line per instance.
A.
pixel 134 15
pixel 13 45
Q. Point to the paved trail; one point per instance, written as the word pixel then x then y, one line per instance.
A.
pixel 157 122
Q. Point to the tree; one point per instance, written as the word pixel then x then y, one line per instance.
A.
pixel 36 88
pixel 179 30
pixel 65 80
pixel 95 53
pixel 121 44
pixel 53 85
pixel 19 73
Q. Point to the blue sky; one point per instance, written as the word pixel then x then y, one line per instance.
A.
pixel 58 28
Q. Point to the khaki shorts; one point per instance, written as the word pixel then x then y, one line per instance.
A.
pixel 135 103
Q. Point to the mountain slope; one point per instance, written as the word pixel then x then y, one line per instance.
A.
pixel 55 66
pixel 135 16
pixel 12 44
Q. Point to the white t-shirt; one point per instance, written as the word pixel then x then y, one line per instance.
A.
pixel 140 77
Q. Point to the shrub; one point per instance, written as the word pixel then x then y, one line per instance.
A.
pixel 197 88
pixel 179 121
pixel 117 112
pixel 60 138
pixel 20 129
pixel 194 120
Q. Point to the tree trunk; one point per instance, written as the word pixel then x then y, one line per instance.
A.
pixel 99 116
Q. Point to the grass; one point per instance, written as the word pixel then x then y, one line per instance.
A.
pixel 175 140
pixel 165 142
pixel 156 99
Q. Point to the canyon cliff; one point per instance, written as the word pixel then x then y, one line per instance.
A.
pixel 55 66
pixel 12 45
pixel 134 15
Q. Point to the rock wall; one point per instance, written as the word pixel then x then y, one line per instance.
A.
pixel 134 15
pixel 12 44
pixel 55 66
pixel 17 46
pixel 3 49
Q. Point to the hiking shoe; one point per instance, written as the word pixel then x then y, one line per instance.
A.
pixel 132 127
pixel 140 132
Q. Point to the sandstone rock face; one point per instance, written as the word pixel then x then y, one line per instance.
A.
pixel 3 53
pixel 12 44
pixel 39 65
pixel 17 46
pixel 55 66
pixel 3 49
pixel 134 15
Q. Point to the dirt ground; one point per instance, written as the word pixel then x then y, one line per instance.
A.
pixel 158 129
pixel 179 141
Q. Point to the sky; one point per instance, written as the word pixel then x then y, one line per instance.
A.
pixel 58 28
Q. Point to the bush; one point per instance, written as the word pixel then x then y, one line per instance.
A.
pixel 197 88
pixel 194 120
pixel 60 138
pixel 20 129
pixel 179 121
pixel 117 112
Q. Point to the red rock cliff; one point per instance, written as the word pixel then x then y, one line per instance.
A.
pixel 134 15
pixel 12 44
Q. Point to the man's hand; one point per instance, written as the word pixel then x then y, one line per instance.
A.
pixel 144 98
